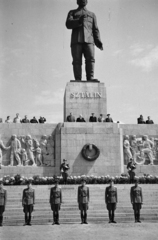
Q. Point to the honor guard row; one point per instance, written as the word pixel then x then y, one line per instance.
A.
pixel 83 197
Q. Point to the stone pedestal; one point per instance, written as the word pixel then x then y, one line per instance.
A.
pixel 106 136
pixel 85 98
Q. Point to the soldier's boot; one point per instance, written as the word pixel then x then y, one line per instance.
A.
pixel 1 221
pixel 77 68
pixel 135 216
pixel 139 217
pixel 110 217
pixel 90 70
pixel 26 220
pixel 29 221
pixel 54 218
pixel 57 218
pixel 82 218
pixel 113 215
pixel 85 218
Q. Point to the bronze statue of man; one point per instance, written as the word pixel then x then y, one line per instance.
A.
pixel 85 34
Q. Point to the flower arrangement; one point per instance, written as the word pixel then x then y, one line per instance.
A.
pixel 37 180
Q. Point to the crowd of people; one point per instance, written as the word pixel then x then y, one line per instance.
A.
pixel 18 119
pixel 71 118
pixel 92 118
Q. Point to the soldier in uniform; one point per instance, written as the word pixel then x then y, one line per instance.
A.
pixel 64 167
pixel 83 200
pixel 3 200
pixel 131 166
pixel 55 201
pixel 28 201
pixel 136 200
pixel 111 200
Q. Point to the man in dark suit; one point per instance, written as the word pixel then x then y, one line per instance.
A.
pixel 108 119
pixel 42 119
pixel 70 118
pixel 149 121
pixel 33 120
pixel 3 200
pixel 64 167
pixel 80 119
pixel 55 201
pixel 25 120
pixel 111 200
pixel 140 120
pixel 28 201
pixel 136 200
pixel 92 118
pixel 83 200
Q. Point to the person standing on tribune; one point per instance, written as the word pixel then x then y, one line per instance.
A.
pixel 83 200
pixel 55 201
pixel 111 200
pixel 3 200
pixel 136 200
pixel 28 201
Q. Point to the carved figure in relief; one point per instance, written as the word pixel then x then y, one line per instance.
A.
pixel 15 151
pixel 126 147
pixel 50 145
pixel 24 158
pixel 134 147
pixel 29 148
pixel 38 154
pixel 147 147
pixel 43 146
pixel 4 148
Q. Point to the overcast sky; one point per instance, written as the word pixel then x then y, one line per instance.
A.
pixel 36 64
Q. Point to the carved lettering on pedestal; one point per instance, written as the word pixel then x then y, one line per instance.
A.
pixel 85 95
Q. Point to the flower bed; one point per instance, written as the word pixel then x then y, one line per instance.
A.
pixel 37 180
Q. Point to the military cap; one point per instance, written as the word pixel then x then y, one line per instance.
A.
pixel 29 181
pixel 111 180
pixel 83 179
pixel 136 180
pixel 56 180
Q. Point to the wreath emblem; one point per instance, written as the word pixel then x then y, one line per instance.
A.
pixel 90 152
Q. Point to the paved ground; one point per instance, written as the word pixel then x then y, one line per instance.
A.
pixel 99 231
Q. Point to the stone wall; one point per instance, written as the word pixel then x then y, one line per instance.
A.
pixel 36 131
pixel 70 138
pixel 106 136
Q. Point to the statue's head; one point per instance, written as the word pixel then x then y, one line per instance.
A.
pixel 13 137
pixel 145 137
pixel 28 137
pixel 126 137
pixel 82 3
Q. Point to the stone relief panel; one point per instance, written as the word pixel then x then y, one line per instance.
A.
pixel 28 151
pixel 143 149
